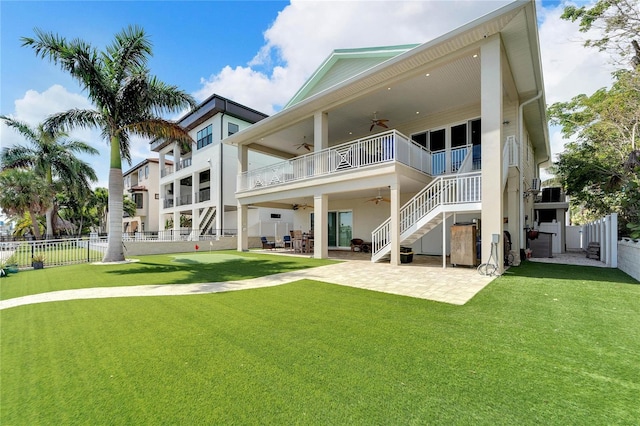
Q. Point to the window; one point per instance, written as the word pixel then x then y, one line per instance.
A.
pixel 458 135
pixel 204 137
pixel 420 138
pixel 138 199
pixel 146 171
pixel 437 140
pixel 233 128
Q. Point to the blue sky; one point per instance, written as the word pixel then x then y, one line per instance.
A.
pixel 257 53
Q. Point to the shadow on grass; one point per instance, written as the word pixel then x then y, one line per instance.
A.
pixel 188 271
pixel 571 272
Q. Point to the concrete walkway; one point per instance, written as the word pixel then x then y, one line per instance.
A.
pixel 423 279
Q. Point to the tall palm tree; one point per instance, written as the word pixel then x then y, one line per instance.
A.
pixel 52 156
pixel 23 191
pixel 127 100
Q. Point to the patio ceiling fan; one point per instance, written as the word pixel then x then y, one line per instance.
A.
pixel 304 144
pixel 379 198
pixel 375 121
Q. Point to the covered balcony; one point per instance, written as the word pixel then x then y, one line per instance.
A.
pixel 380 149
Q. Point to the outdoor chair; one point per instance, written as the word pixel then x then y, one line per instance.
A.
pixel 266 244
pixel 286 242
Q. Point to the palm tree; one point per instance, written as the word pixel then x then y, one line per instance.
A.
pixel 51 155
pixel 127 100
pixel 23 191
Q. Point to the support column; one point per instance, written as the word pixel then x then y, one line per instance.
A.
pixel 176 225
pixel 320 226
pixel 320 131
pixel 243 165
pixel 395 223
pixel 514 200
pixel 243 238
pixel 491 111
pixel 444 240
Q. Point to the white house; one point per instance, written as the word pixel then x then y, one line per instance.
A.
pixel 141 182
pixel 395 144
pixel 197 184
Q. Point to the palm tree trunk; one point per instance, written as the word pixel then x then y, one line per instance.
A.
pixel 115 252
pixel 49 216
pixel 35 224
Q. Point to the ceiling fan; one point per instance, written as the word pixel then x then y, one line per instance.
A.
pixel 375 121
pixel 379 198
pixel 304 144
pixel 300 206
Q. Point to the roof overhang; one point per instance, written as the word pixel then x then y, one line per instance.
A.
pixel 515 23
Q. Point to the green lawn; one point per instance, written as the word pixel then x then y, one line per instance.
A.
pixel 561 348
pixel 179 268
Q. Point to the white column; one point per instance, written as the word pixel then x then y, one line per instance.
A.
pixel 320 217
pixel 320 131
pixel 444 240
pixel 613 241
pixel 243 239
pixel 491 110
pixel 395 224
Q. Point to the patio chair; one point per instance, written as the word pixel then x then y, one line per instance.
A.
pixel 286 242
pixel 266 244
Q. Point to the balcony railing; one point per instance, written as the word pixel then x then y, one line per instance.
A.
pixel 382 148
pixel 203 195
pixel 166 171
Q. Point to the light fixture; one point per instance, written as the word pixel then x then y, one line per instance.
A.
pixel 427 75
pixel 506 122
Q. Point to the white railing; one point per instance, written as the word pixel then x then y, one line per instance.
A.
pixel 54 252
pixel 444 190
pixel 510 156
pixel 382 148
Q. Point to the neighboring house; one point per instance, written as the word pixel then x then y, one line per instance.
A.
pixel 386 144
pixel 197 184
pixel 141 182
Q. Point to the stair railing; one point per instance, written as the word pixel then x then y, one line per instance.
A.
pixel 444 190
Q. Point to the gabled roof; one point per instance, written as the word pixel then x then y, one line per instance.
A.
pixel 343 64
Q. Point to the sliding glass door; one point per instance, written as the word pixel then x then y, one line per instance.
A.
pixel 340 227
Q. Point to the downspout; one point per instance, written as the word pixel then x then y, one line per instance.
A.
pixel 221 213
pixel 521 139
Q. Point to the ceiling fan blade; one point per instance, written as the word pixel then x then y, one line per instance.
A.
pixel 371 128
pixel 381 124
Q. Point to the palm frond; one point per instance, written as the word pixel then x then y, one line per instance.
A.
pixel 164 98
pixel 162 129
pixel 130 50
pixel 83 118
pixel 77 57
pixel 17 157
pixel 21 127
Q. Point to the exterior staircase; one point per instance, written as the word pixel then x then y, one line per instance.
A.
pixel 438 200
pixel 207 219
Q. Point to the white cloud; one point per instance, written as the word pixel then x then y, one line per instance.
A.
pixel 569 68
pixel 306 32
pixel 34 108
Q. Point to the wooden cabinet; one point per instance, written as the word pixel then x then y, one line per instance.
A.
pixel 463 245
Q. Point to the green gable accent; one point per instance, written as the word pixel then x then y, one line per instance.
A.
pixel 343 64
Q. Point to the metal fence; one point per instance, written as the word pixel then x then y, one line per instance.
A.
pixel 53 252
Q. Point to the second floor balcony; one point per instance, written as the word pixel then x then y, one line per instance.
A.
pixel 387 147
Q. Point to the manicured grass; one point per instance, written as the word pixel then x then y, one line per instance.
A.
pixel 559 349
pixel 180 268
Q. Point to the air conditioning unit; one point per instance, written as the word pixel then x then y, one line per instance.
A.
pixel 535 186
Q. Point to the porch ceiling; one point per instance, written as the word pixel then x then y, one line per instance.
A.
pixel 401 102
pixel 400 90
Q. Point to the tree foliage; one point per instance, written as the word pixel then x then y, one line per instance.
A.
pixel 127 100
pixel 600 167
pixel 619 22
